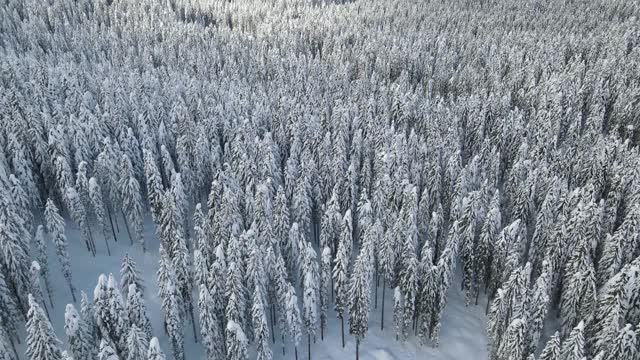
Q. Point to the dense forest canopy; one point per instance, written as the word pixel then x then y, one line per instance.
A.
pixel 294 156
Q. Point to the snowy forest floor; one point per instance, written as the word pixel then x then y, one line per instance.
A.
pixel 463 334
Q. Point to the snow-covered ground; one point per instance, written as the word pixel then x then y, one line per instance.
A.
pixel 463 333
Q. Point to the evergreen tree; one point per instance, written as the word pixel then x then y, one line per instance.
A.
pixel 42 258
pixel 360 289
pixel 129 275
pixel 551 350
pixel 625 346
pixel 42 343
pixel 88 317
pixel 99 209
pixel 293 317
pixel 341 269
pixel 260 327
pixel 236 342
pixel 35 289
pixel 106 351
pixel 79 215
pixel 137 343
pixel 514 344
pixel 131 199
pixel 137 311
pixel 155 353
pixel 573 348
pixel 55 228
pixel 210 330
pixel 80 340
pixel 325 288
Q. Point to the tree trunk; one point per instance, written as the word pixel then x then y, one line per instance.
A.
pixel 309 345
pixel 13 347
pixel 375 306
pixel 357 348
pixel 46 284
pixel 126 224
pixel 73 293
pixel 282 344
pixel 106 243
pixel 296 351
pixel 193 322
pixel 113 231
pixel 273 319
pixel 342 328
pixel 384 287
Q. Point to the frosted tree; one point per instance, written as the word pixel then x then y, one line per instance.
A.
pixel 514 344
pixel 325 288
pixel 21 201
pixel 42 258
pixel 55 228
pixel 137 310
pixel 625 346
pixel 80 340
pixel 129 275
pixel 539 306
pixel 551 350
pixel 292 252
pixel 155 188
pixel 387 260
pixel 398 311
pixel 488 234
pixel 34 285
pixel 88 316
pixel 42 343
pixel 78 213
pixel 260 326
pixel 9 315
pixel 210 330
pixel 99 209
pixel 137 343
pixel 236 342
pixel 573 347
pixel 360 290
pixel 341 271
pixel 293 317
pixel 310 284
pixel 131 199
pixel 155 352
pixel 110 313
pixel 172 305
pixel 107 352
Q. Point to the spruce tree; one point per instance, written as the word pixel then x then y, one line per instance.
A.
pixel 42 258
pixel 137 343
pixel 107 352
pixel 81 344
pixel 551 350
pixel 55 228
pixel 137 311
pixel 573 347
pixel 341 269
pixel 99 209
pixel 154 352
pixel 260 327
pixel 42 343
pixel 210 330
pixel 129 275
pixel 236 342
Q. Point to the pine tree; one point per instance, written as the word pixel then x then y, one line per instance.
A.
pixel 131 199
pixel 210 330
pixel 137 343
pixel 35 289
pixel 107 352
pixel 386 258
pixel 42 258
pixel 309 290
pixel 260 327
pixel 398 311
pixel 99 209
pixel 293 317
pixel 488 234
pixel 88 316
pixel 55 228
pixel 360 289
pixel 155 353
pixel 137 310
pixel 514 344
pixel 79 215
pixel 325 288
pixel 551 350
pixel 129 275
pixel 42 343
pixel 155 188
pixel 340 270
pixel 539 306
pixel 236 342
pixel 573 348
pixel 172 305
pixel 80 340
pixel 625 346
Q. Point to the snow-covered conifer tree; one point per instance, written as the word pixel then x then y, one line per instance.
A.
pixel 42 343
pixel 137 310
pixel 341 270
pixel 80 340
pixel 55 228
pixel 137 343
pixel 107 352
pixel 210 330
pixel 155 352
pixel 42 258
pixel 129 275
pixel 131 199
pixel 99 209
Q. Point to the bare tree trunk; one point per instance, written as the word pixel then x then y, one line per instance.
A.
pixel 273 319
pixel 384 287
pixel 73 293
pixel 282 344
pixel 342 328
pixel 193 323
pixel 126 224
pixel 113 231
pixel 309 345
pixel 357 348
